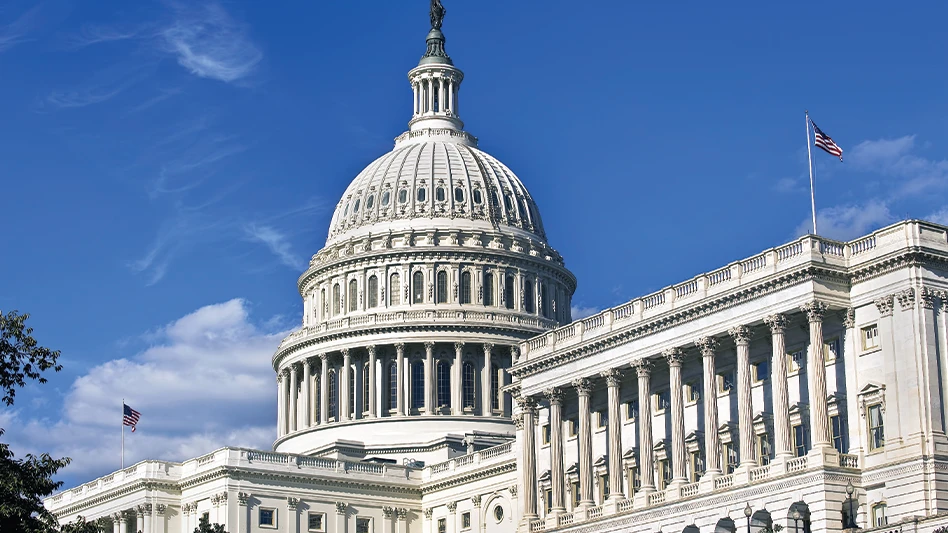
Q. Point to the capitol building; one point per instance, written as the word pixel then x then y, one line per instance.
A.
pixel 439 384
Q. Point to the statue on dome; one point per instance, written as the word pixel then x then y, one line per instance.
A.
pixel 437 14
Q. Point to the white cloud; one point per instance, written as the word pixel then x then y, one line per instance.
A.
pixel 15 32
pixel 896 158
pixel 579 311
pixel 205 382
pixel 847 222
pixel 210 44
pixel 939 217
pixel 277 243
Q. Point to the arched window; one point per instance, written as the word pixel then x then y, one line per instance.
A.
pixel 352 393
pixel 418 287
pixel 437 102
pixel 469 383
pixel 353 295
pixel 522 207
pixel 509 291
pixel 370 201
pixel 373 291
pixel 488 288
pixel 544 305
pixel 477 196
pixel 507 203
pixel 402 196
pixel 444 384
pixel 439 194
pixel 393 386
pixel 458 194
pixel 442 287
pixel 385 198
pixel 365 387
pixel 316 396
pixel 494 387
pixel 394 290
pixel 336 304
pixel 493 199
pixel 323 304
pixel 465 287
pixel 421 194
pixel 355 208
pixel 345 212
pixel 418 385
pixel 333 395
pixel 528 298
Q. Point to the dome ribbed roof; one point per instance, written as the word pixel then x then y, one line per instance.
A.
pixel 441 185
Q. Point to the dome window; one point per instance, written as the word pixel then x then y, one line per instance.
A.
pixel 477 196
pixel 442 287
pixel 507 203
pixel 345 212
pixel 458 194
pixel 355 208
pixel 421 194
pixel 385 198
pixel 493 199
pixel 370 201
pixel 439 194
pixel 402 196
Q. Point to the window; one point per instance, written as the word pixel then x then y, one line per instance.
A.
pixel 394 290
pixel 795 361
pixel 421 194
pixel 831 349
pixel 365 387
pixel 878 515
pixel 548 500
pixel 730 458
pixel 870 337
pixel 544 308
pixel 664 468
pixel 402 196
pixel 267 517
pixel 418 287
pixel 493 199
pixel 508 205
pixel 661 400
pixel 545 433
pixel 442 525
pixel 363 524
pixel 373 292
pixel 572 427
pixel 316 522
pixel 763 449
pixel 353 295
pixel 333 395
pixel 465 287
pixel 499 512
pixel 316 396
pixel 393 386
pixel 876 427
pixel 697 466
pixel 345 212
pixel 439 194
pixel 488 289
pixel 469 383
pixel 694 393
pixel 466 520
pixel 356 208
pixel 385 198
pixel 458 194
pixel 335 299
pixel 836 422
pixel 631 410
pixel 528 299
pixel 444 383
pixel 602 419
pixel 761 371
pixel 495 387
pixel 352 392
pixel 725 382
pixel 799 440
pixel 603 487
pixel 370 201
pixel 574 493
pixel 323 305
pixel 477 196
pixel 418 385
pixel 442 287
pixel 509 292
pixel 634 479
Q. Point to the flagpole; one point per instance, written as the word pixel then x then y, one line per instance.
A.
pixel 123 431
pixel 809 156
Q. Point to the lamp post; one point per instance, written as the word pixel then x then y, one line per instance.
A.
pixel 747 514
pixel 850 489
pixel 795 515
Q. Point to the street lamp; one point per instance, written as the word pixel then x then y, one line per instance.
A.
pixel 795 515
pixel 747 514
pixel 850 489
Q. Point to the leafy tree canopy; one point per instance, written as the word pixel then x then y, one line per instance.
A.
pixel 204 526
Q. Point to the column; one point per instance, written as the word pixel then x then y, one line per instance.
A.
pixel 457 390
pixel 400 364
pixel 281 405
pixel 344 408
pixel 745 415
pixel 161 521
pixel 341 517
pixel 430 381
pixel 712 445
pixel 402 525
pixel 555 397
pixel 451 96
pixel 292 504
pixel 414 99
pixel 430 82
pixel 487 400
pixel 116 521
pixel 373 385
pixel 528 457
pixel 123 523
pixel 816 372
pixel 584 390
pixel 388 517
pixel 643 368
pixel 613 381
pixel 675 358
pixel 307 393
pixel 324 388
pixel 441 98
pixel 782 444
pixel 453 519
pixel 293 397
pixel 144 517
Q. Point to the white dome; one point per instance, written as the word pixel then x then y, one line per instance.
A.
pixel 432 181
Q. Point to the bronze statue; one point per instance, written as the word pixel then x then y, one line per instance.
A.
pixel 437 14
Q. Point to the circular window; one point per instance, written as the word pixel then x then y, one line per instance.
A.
pixel 498 513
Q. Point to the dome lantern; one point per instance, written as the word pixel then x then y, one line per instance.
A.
pixel 435 83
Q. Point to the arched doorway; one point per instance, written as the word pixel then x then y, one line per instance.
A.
pixel 725 525
pixel 798 518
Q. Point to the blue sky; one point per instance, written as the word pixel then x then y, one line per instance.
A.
pixel 169 168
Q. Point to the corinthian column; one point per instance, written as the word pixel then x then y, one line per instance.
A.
pixel 400 370
pixel 712 445
pixel 675 357
pixel 324 388
pixel 487 400
pixel 344 383
pixel 816 372
pixel 778 326
pixel 584 389
pixel 373 385
pixel 307 393
pixel 555 396
pixel 457 390
pixel 745 416
pixel 613 381
pixel 430 381
pixel 281 404
pixel 528 458
pixel 643 368
pixel 293 397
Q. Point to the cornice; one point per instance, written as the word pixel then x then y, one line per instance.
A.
pixel 332 481
pixel 469 477
pixel 144 484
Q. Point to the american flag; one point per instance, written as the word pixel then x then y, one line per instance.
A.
pixel 130 417
pixel 825 142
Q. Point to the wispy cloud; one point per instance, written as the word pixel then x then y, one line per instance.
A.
pixel 100 87
pixel 15 32
pixel 847 222
pixel 580 311
pixel 210 44
pixel 278 244
pixel 155 100
pixel 91 34
pixel 898 158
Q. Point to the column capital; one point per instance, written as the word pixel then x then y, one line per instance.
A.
pixel 554 395
pixel 583 386
pixel 528 404
pixel 292 503
pixel 371 349
pixel 400 348
pixel 402 513
pixel 488 347
pixel 307 363
pixel 849 318
pixel 285 373
pixel 613 377
pixel 458 346
pixel 476 500
pixel 674 356
pixel 777 323
pixel 906 298
pixel 707 346
pixel 517 420
pixel 452 507
pixel 429 345
pixel 886 305
pixel 341 507
pixel 643 367
pixel 324 357
pixel 389 511
pixel 814 310
pixel 741 334
pixel 144 509
pixel 513 490
pixel 428 512
pixel 927 297
pixel 242 498
pixel 344 352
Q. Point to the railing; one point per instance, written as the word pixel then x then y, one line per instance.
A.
pixel 624 505
pixel 754 263
pixel 594 512
pixel 656 498
pixel 315 462
pixel 537 525
pixel 565 519
pixel 623 311
pixel 365 468
pixel 690 490
pixel 759 473
pixel 832 248
pixel 719 276
pixel 788 251
pixel 565 333
pixel 723 482
pixel 593 322
pixel 654 300
pixel 464 460
pixel 269 457
pixel 470 459
pixel 847 460
pixel 796 464
pixel 862 245
pixel 503 449
pixel 686 288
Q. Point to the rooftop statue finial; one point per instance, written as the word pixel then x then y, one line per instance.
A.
pixel 437 14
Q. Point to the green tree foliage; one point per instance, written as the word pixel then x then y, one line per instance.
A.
pixel 80 526
pixel 204 526
pixel 25 482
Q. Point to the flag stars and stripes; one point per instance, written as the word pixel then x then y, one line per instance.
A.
pixel 824 141
pixel 130 417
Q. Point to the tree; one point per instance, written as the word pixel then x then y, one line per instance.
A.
pixel 80 526
pixel 204 526
pixel 24 482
